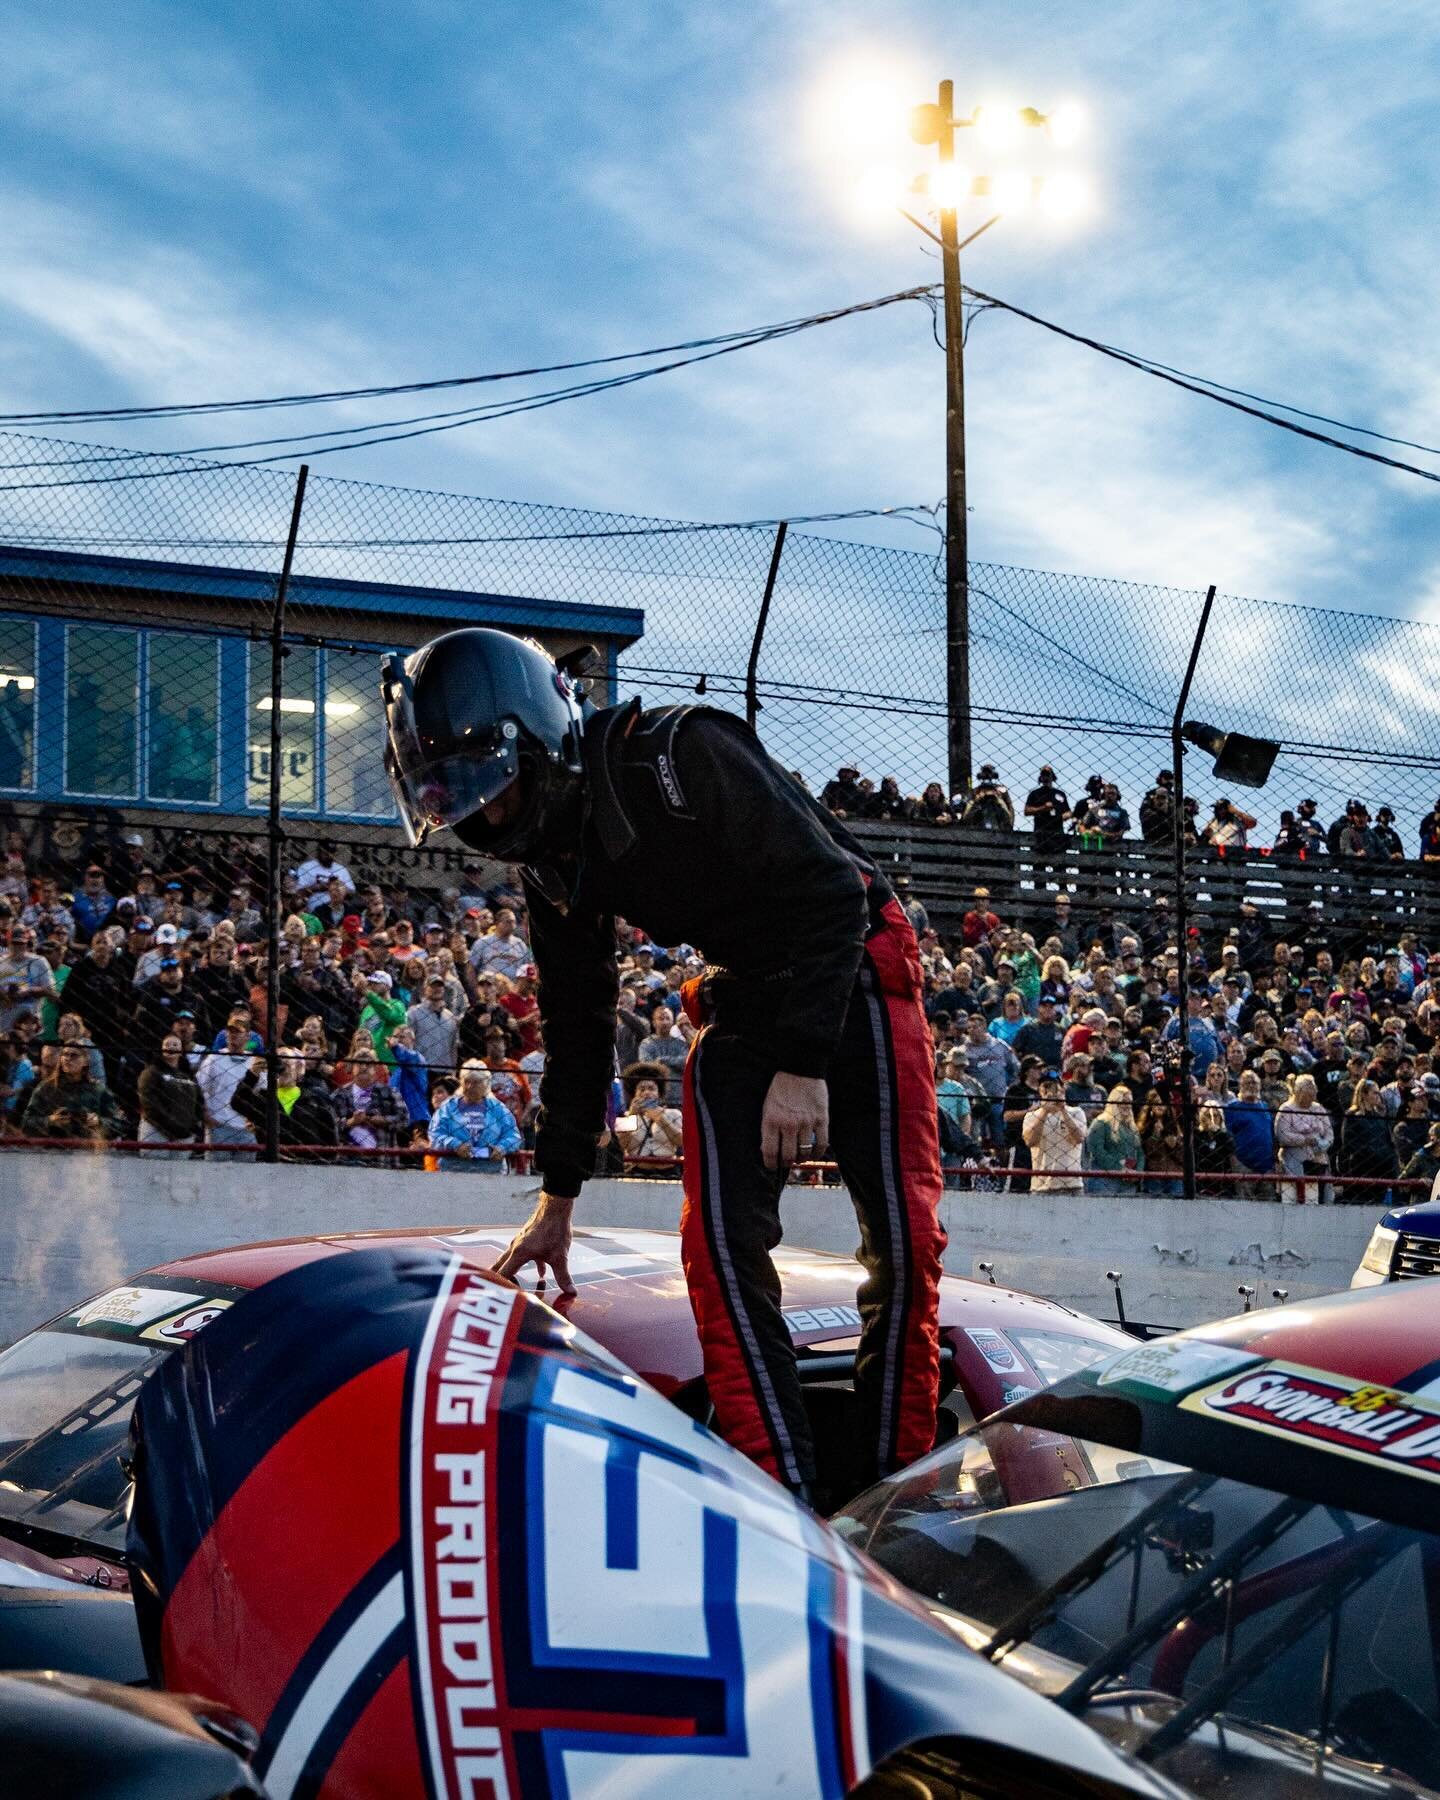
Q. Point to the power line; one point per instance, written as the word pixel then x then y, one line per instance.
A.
pixel 1221 396
pixel 190 409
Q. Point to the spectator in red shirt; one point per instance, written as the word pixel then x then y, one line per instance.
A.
pixel 508 1083
pixel 524 1008
pixel 979 922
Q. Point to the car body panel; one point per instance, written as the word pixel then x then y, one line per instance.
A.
pixel 540 1578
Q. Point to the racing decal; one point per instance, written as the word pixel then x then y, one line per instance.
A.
pixel 822 1318
pixel 1377 1425
pixel 129 1307
pixel 1018 1391
pixel 1171 1365
pixel 452 1441
pixel 182 1326
pixel 995 1348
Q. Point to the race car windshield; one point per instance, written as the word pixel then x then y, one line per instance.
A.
pixel 65 1404
pixel 1092 1571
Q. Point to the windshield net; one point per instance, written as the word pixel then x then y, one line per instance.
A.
pixel 1110 1571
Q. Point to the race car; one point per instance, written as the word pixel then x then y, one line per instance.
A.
pixel 1218 1549
pixel 1404 1245
pixel 427 1539
pixel 67 1391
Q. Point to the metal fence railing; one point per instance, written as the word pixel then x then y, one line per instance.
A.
pixel 183 729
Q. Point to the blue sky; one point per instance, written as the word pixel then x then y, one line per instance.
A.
pixel 216 200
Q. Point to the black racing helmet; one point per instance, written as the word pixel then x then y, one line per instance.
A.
pixel 483 734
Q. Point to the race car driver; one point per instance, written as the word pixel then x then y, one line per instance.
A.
pixel 812 1032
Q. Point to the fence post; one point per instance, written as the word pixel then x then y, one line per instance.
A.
pixel 752 672
pixel 1182 905
pixel 273 833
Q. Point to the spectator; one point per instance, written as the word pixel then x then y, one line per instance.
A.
pixel 1357 842
pixel 933 808
pixel 979 921
pixel 369 1113
pixel 434 1027
pixel 1049 806
pixel 988 807
pixel 523 1005
pixel 665 1045
pixel 995 1066
pixel 219 1074
pixel 1411 1130
pixel 1367 1148
pixel 70 1104
pixel 648 1130
pixel 1388 843
pixel 1214 1153
pixel 172 1108
pixel 474 1126
pixel 1054 1134
pixel 952 1096
pixel 99 990
pixel 94 905
pixel 1424 1165
pixel 842 796
pixel 411 1079
pixel 1158 1123
pixel 1112 1144
pixel 1204 1044
pixel 1430 835
pixel 26 979
pixel 1042 1036
pixel 1020 1097
pixel 305 1120
pixel 381 1013
pixel 1081 1088
pixel 1105 818
pixel 1157 810
pixel 316 874
pixel 1304 1132
pixel 502 951
pixel 510 1085
pixel 1229 829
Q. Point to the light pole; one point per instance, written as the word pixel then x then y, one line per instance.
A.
pixel 935 123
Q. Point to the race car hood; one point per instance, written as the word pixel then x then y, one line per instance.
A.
pixel 538 1576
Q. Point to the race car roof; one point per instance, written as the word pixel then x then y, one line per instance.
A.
pixel 633 1298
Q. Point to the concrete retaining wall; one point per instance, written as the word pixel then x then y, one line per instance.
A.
pixel 71 1224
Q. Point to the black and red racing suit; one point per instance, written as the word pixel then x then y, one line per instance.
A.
pixel 694 834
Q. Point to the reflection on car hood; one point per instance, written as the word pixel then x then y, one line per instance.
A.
pixel 539 1576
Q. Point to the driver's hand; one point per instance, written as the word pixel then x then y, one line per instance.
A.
pixel 796 1120
pixel 544 1239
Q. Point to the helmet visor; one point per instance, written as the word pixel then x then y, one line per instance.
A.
pixel 434 791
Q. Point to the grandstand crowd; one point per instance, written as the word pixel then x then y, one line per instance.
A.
pixel 134 1014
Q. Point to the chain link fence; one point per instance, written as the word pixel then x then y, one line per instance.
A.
pixel 139 706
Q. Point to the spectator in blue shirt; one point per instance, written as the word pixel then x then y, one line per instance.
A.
pixel 479 1129
pixel 1252 1125
pixel 93 905
pixel 1204 1042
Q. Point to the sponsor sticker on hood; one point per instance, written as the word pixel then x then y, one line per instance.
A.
pixel 1171 1365
pixel 1354 1418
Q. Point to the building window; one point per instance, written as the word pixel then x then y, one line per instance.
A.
pixel 17 703
pixel 101 711
pixel 182 715
pixel 298 704
pixel 355 736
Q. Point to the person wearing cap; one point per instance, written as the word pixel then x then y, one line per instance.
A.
pixel 381 1013
pixel 842 796
pixel 157 1000
pixel 26 979
pixel 988 806
pixel 163 942
pixel 315 874
pixel 523 1005
pixel 436 1028
pixel 1387 838
pixel 1042 1036
pixel 241 915
pixel 1049 806
pixel 1105 817
pixel 1054 1133
pixel 304 1113
pixel 1157 810
pixel 979 921
pixel 1308 832
pixel 47 915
